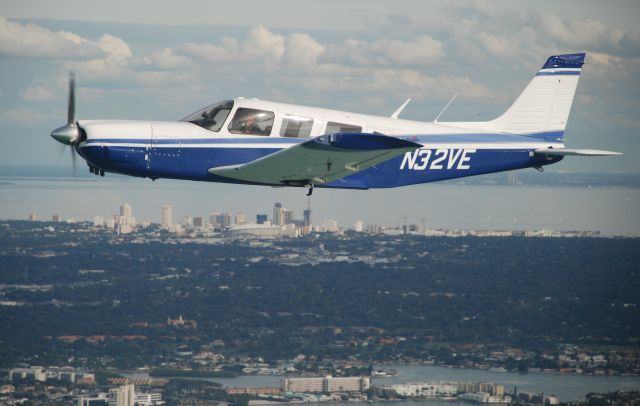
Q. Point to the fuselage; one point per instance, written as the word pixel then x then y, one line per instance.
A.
pixel 242 130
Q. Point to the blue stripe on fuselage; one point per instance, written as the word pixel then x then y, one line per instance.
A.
pixel 193 164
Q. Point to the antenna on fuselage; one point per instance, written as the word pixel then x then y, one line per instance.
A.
pixel 397 112
pixel 445 108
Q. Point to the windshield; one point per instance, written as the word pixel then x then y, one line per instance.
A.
pixel 211 117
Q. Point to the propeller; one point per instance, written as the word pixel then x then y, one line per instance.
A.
pixel 70 134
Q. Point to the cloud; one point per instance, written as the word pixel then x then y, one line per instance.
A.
pixel 32 41
pixel 265 45
pixel 167 58
pixel 114 46
pixel 301 50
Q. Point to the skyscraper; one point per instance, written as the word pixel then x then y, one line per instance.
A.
pixel 277 214
pixel 223 220
pixel 306 214
pixel 166 215
pixel 359 226
pixel 241 219
pixel 125 210
pixel 287 216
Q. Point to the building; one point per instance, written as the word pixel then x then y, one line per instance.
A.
pixel 265 390
pixel 482 397
pixel 241 219
pixel 254 231
pixel 277 214
pixel 33 217
pixel 326 384
pixel 32 373
pixel 98 221
pixel 166 215
pixel 149 398
pixel 56 218
pixel 125 210
pixel 41 374
pixel 359 226
pixel 180 322
pixel 122 396
pixel 426 389
pixel 197 222
pixel 287 216
pixel 261 218
pixel 223 220
pixel 101 399
pixel 330 226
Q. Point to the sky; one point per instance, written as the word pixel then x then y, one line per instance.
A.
pixel 151 60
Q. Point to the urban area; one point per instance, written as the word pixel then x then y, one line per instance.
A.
pixel 121 312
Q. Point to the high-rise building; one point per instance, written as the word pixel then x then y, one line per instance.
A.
pixel 261 218
pixel 359 226
pixel 98 221
pixel 122 396
pixel 197 221
pixel 223 220
pixel 213 219
pixel 241 219
pixel 330 226
pixel 277 214
pixel 125 210
pixel 287 216
pixel 306 214
pixel 56 218
pixel 166 215
pixel 33 217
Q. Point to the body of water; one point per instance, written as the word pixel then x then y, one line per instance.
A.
pixel 566 387
pixel 613 211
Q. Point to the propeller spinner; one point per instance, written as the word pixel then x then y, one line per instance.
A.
pixel 70 133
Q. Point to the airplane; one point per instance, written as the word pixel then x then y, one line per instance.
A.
pixel 258 142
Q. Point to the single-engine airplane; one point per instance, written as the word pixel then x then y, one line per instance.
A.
pixel 258 142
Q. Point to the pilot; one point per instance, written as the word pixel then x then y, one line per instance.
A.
pixel 250 126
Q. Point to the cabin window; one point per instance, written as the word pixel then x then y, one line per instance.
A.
pixel 211 117
pixel 252 122
pixel 296 126
pixel 333 127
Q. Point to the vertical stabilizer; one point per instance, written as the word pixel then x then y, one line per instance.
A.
pixel 542 109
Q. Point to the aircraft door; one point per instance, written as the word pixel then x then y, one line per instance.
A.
pixel 165 154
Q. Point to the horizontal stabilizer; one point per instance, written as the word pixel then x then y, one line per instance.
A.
pixel 574 152
pixel 319 160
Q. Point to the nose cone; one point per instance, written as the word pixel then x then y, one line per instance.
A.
pixel 66 134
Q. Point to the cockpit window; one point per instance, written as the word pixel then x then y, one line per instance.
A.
pixel 252 122
pixel 211 117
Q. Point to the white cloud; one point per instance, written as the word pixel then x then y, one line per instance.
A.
pixel 32 41
pixel 265 44
pixel 302 50
pixel 114 46
pixel 167 58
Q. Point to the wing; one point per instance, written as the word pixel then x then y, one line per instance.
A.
pixel 319 160
pixel 574 152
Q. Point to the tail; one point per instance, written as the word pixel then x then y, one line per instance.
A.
pixel 542 109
